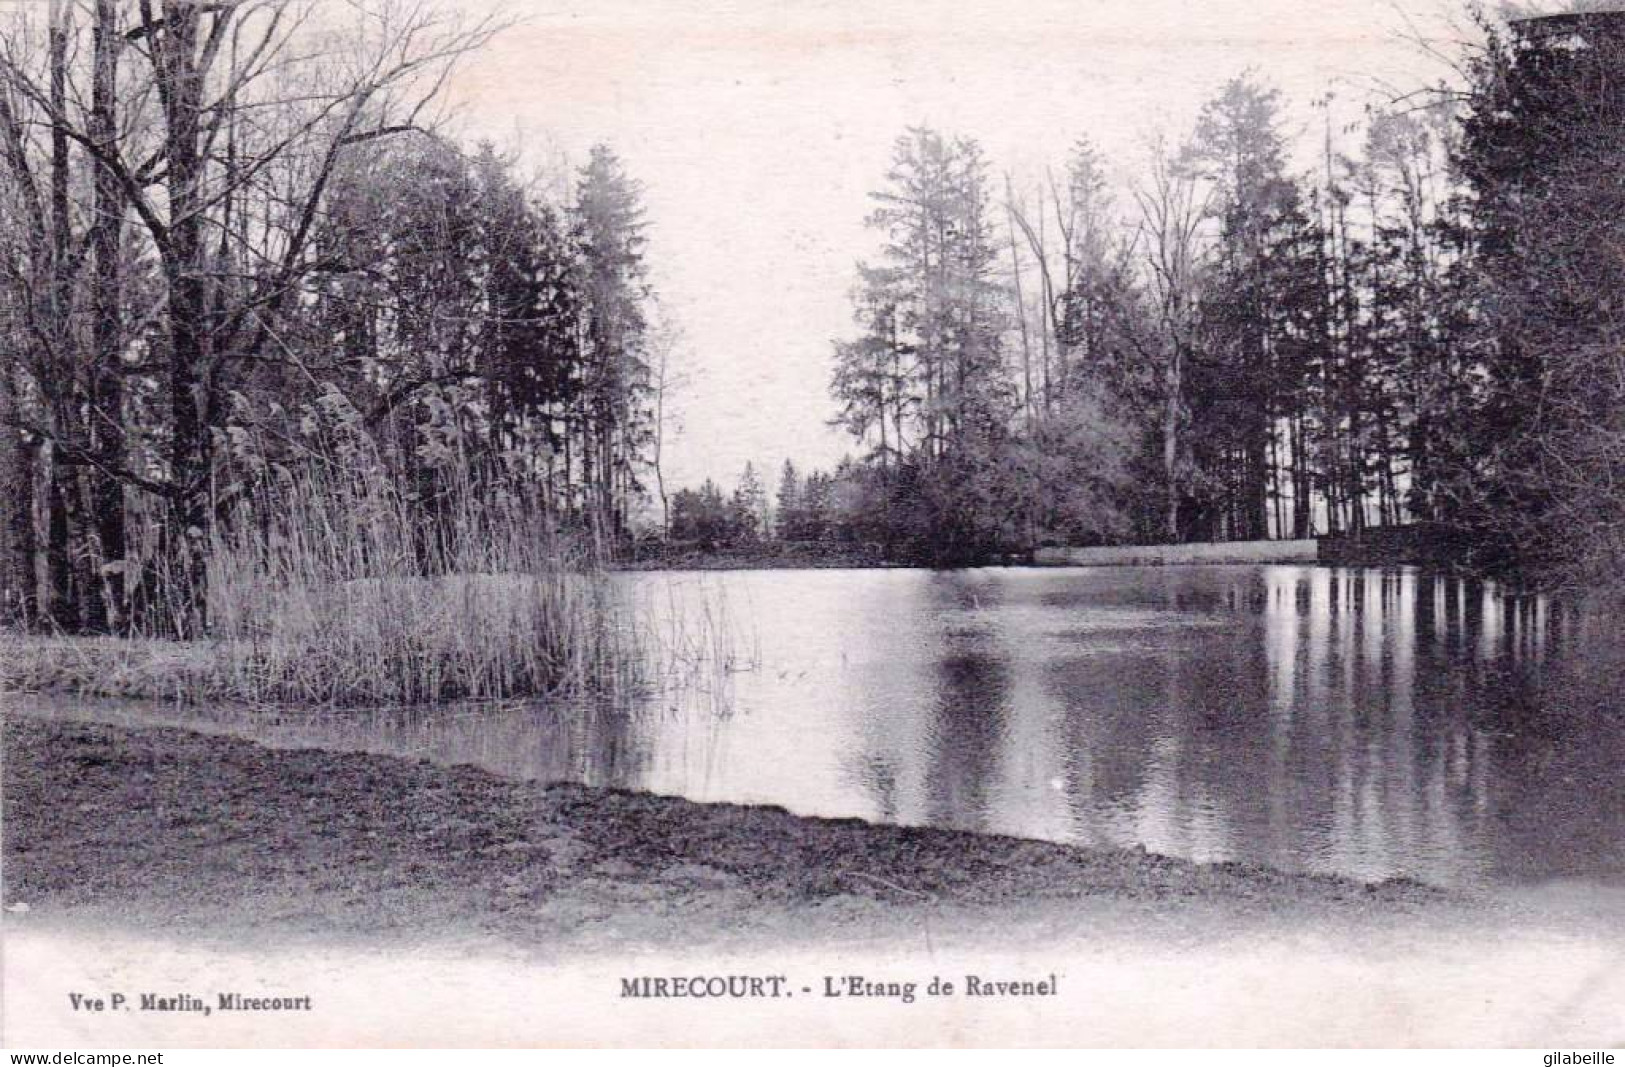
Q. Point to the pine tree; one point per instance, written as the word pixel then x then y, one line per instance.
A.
pixel 1239 149
pixel 615 389
pixel 925 383
pixel 748 505
pixel 790 516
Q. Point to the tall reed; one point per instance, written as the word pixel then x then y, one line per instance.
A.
pixel 334 585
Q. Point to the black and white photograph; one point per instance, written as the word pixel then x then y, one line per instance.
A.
pixel 833 523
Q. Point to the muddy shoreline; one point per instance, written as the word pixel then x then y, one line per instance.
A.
pixel 191 835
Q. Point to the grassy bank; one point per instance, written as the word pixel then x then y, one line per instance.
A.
pixel 174 831
pixel 139 668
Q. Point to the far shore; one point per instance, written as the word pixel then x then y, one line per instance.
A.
pixel 1376 547
pixel 765 555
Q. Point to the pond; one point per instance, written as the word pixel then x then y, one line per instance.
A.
pixel 1368 723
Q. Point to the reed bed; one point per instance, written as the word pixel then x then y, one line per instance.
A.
pixel 334 587
pixel 337 588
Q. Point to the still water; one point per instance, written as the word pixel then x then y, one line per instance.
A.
pixel 1359 722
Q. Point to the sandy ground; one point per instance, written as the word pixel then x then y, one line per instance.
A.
pixel 419 905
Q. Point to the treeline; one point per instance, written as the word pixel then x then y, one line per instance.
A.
pixel 815 506
pixel 235 251
pixel 1419 331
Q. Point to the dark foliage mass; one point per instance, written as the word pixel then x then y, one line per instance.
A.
pixel 234 265
pixel 1420 333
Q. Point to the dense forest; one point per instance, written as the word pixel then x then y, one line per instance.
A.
pixel 238 254
pixel 1421 331
pixel 239 257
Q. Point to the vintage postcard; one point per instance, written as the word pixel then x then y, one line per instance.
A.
pixel 903 523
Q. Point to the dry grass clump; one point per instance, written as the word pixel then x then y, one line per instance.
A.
pixel 141 668
pixel 337 588
pixel 333 586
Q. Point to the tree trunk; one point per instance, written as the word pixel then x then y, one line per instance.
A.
pixel 60 602
pixel 18 600
pixel 1170 441
pixel 106 501
pixel 184 266
pixel 57 597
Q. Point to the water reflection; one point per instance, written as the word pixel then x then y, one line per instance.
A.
pixel 1367 723
pixel 1362 722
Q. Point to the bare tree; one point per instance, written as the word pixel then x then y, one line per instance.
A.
pixel 667 381
pixel 1172 213
pixel 218 128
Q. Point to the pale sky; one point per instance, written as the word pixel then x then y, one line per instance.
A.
pixel 759 129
